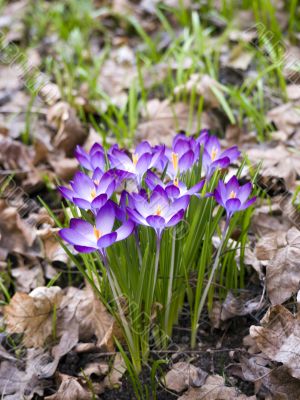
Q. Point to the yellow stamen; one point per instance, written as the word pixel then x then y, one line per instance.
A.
pixel 214 154
pixel 158 211
pixel 176 183
pixel 97 233
pixel 93 193
pixel 175 161
pixel 232 195
pixel 135 158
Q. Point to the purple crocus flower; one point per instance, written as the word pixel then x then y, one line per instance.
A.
pixel 87 238
pixel 174 188
pixel 182 156
pixel 87 193
pixel 143 158
pixel 214 157
pixel 92 160
pixel 233 197
pixel 159 212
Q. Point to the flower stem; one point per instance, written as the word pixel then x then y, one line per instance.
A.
pixel 115 289
pixel 208 285
pixel 137 240
pixel 170 284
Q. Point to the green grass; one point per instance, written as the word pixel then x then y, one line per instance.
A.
pixel 72 62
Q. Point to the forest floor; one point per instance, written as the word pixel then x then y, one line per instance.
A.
pixel 121 71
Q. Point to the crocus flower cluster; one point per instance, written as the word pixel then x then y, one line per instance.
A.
pixel 122 190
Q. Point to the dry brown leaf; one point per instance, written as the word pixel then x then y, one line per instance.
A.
pixel 20 382
pixel 182 376
pixel 71 388
pixel 117 74
pixel 113 379
pixel 27 279
pixel 278 337
pixel 215 389
pixel 286 117
pixel 244 304
pixel 278 164
pixel 202 85
pixel 100 368
pixel 15 155
pixel 275 384
pixel 87 311
pixel 70 131
pixel 282 253
pixel 16 235
pixel 162 120
pixel 32 314
pixel 293 92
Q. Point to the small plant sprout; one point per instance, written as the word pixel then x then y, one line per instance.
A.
pixel 142 243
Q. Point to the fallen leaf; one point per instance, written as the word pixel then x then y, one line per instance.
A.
pixel 31 314
pixel 71 388
pixel 278 337
pixel 20 380
pixel 279 166
pixel 87 311
pixel 182 376
pixel 16 234
pixel 214 389
pixel 202 85
pixel 162 120
pixel 27 279
pixel 293 92
pixel 243 304
pixel 282 252
pixel 117 75
pixel 69 130
pixel 113 379
pixel 275 384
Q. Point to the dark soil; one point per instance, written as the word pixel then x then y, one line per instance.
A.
pixel 219 349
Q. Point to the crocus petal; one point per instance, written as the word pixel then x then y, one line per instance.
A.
pixel 221 188
pixel 248 203
pixel 99 201
pixel 186 161
pixel 157 156
pixel 196 188
pixel 220 163
pixel 152 180
pixel 179 204
pixel 143 163
pixel 143 147
pixel 232 186
pixel 125 230
pixel 217 197
pixel 181 145
pixel 136 217
pixel 66 193
pixel 73 237
pixel 98 160
pixel 176 218
pixel 81 203
pixel 82 157
pixel 107 240
pixel 244 192
pixel 156 221
pixel 84 249
pixel 172 191
pixel 105 218
pixel 232 205
pixel 232 153
pixel 83 227
pixel 82 184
